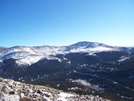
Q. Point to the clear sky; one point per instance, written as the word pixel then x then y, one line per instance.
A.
pixel 65 22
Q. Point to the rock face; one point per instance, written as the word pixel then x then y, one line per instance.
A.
pixel 15 91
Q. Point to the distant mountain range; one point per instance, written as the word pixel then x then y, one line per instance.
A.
pixel 84 68
pixel 30 55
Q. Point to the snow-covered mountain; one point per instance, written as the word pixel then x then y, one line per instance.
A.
pixel 29 55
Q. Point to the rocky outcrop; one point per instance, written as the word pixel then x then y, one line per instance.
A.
pixel 15 91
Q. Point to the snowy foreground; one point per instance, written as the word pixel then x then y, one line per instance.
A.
pixel 15 91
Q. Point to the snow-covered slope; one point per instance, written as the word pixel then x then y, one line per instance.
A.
pixel 29 55
pixel 25 55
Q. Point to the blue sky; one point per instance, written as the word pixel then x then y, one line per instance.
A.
pixel 64 22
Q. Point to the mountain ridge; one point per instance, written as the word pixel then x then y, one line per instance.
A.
pixel 83 42
pixel 36 53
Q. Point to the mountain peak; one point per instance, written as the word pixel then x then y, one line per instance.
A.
pixel 82 43
pixel 86 43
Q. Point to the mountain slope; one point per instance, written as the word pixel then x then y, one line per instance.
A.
pixel 29 55
pixel 16 91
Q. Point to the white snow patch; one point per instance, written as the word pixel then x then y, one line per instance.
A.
pixel 101 49
pixel 123 58
pixel 29 60
pixel 85 83
pixel 63 96
pixel 7 97
pixel 92 50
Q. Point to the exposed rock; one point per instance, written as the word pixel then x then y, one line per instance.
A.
pixel 16 91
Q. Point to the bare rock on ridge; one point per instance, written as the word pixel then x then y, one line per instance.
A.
pixel 15 91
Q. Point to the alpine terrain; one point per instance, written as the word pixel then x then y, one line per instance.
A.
pixel 83 68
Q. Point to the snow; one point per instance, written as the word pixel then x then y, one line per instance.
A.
pixel 92 50
pixel 85 83
pixel 49 50
pixel 7 97
pixel 29 60
pixel 123 58
pixel 30 55
pixel 63 96
pixel 102 49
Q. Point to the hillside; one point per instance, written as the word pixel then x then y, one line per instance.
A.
pixel 16 91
